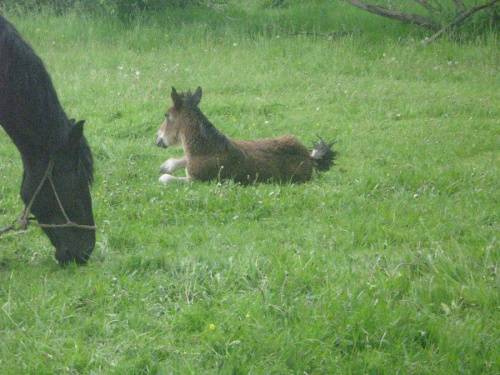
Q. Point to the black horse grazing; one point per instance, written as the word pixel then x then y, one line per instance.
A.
pixel 57 160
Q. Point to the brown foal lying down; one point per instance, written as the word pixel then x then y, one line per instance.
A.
pixel 210 155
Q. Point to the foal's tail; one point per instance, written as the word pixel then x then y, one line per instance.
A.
pixel 323 155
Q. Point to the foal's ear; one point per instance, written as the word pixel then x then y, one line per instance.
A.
pixel 75 134
pixel 197 96
pixel 176 98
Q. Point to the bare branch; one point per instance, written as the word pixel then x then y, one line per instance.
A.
pixel 397 15
pixel 437 5
pixel 459 19
pixel 459 5
pixel 329 34
pixel 426 5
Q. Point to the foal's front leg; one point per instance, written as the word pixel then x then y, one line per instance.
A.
pixel 172 165
pixel 168 178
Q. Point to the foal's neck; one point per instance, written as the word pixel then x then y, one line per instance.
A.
pixel 200 137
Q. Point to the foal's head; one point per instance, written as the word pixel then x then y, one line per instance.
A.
pixel 70 194
pixel 169 133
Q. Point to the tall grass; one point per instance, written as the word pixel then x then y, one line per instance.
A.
pixel 386 264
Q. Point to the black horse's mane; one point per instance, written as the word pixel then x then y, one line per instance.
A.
pixel 87 160
pixel 30 111
pixel 34 111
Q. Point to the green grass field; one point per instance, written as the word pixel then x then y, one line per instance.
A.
pixel 387 264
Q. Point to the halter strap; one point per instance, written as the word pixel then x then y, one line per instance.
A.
pixel 24 219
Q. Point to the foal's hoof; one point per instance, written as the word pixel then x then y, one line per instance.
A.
pixel 167 178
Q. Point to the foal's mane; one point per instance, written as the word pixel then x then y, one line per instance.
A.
pixel 208 130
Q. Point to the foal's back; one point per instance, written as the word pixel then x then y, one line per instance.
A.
pixel 282 159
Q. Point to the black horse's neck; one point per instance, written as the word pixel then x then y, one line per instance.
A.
pixel 34 165
pixel 34 160
pixel 30 111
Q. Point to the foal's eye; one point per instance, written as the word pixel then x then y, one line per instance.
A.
pixel 166 115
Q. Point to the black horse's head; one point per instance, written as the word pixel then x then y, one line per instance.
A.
pixel 64 195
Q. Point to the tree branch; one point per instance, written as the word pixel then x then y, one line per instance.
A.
pixel 459 5
pixel 459 19
pixel 426 5
pixel 329 34
pixel 394 14
pixel 437 5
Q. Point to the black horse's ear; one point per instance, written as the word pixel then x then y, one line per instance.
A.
pixel 75 134
pixel 176 98
pixel 197 96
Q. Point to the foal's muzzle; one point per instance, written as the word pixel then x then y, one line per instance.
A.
pixel 160 143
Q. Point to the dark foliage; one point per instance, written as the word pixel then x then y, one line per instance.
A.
pixel 124 9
